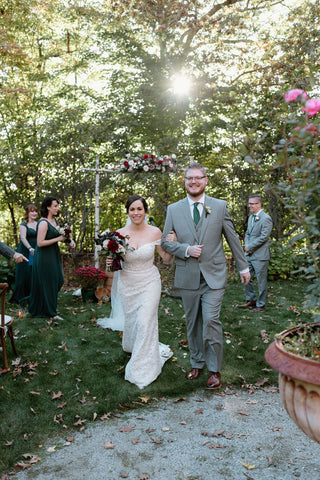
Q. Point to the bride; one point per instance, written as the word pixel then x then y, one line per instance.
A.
pixel 135 297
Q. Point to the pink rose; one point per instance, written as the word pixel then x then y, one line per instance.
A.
pixel 292 95
pixel 312 106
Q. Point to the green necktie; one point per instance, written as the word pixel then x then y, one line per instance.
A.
pixel 196 214
pixel 254 217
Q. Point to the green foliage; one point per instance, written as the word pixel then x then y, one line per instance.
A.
pixel 7 271
pixel 287 258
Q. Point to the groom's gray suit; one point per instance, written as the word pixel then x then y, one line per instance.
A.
pixel 202 280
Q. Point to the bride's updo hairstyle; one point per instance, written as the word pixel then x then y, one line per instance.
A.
pixel 134 198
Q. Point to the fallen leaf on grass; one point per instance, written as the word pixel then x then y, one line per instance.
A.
pixel 34 393
pixel 144 399
pixel 145 476
pixel 22 466
pixel 8 443
pixel 106 416
pixel 165 429
pixel 261 382
pixel 248 466
pixel 135 440
pixel 181 399
pixel 56 395
pixel 51 449
pixel 108 445
pixel 275 429
pixel 123 474
pixel 70 439
pixel 198 412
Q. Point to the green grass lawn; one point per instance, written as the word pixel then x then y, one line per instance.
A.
pixel 71 372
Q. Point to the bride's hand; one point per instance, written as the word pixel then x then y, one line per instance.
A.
pixel 171 237
pixel 109 261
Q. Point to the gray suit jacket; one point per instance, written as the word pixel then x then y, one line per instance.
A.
pixel 6 251
pixel 212 227
pixel 257 236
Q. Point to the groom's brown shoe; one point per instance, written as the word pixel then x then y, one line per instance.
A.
pixel 247 305
pixel 194 373
pixel 214 380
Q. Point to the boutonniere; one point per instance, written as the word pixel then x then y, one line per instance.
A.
pixel 257 218
pixel 207 210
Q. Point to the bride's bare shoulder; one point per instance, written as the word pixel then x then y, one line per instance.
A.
pixel 155 232
pixel 123 231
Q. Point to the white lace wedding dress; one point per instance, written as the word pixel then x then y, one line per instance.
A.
pixel 135 298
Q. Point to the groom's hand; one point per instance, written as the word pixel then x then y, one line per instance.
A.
pixel 195 250
pixel 245 278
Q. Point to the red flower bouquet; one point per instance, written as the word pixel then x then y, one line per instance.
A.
pixel 113 244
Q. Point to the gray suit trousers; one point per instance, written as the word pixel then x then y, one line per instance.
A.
pixel 260 269
pixel 204 330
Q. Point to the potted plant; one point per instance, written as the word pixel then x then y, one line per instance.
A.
pixel 295 352
pixel 89 279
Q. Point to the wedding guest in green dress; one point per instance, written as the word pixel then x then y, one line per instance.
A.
pixel 28 238
pixel 47 274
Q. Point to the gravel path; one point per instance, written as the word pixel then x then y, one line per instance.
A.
pixel 207 436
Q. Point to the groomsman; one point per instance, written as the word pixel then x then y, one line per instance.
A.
pixel 257 253
pixel 10 253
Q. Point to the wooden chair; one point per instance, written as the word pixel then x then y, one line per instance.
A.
pixel 5 327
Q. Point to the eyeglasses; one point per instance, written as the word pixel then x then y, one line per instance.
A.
pixel 194 179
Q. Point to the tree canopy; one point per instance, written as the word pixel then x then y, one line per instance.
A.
pixel 82 79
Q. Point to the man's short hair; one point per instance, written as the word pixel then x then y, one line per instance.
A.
pixel 196 165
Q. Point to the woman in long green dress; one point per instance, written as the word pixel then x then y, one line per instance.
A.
pixel 28 239
pixel 47 274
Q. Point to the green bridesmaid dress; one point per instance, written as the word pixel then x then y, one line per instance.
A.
pixel 24 270
pixel 47 277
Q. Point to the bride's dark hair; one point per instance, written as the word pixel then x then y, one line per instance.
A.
pixel 134 198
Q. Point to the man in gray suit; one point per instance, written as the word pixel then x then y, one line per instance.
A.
pixel 10 253
pixel 257 253
pixel 200 222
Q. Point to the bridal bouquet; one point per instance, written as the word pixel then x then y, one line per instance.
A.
pixel 65 230
pixel 113 244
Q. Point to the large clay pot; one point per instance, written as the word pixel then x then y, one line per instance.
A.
pixel 299 382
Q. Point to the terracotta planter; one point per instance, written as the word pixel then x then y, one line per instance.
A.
pixel 299 383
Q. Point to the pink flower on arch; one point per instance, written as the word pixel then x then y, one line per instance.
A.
pixel 292 95
pixel 312 106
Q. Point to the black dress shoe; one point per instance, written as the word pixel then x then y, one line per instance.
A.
pixel 247 305
pixel 194 373
pixel 214 380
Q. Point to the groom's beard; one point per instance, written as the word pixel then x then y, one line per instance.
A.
pixel 195 192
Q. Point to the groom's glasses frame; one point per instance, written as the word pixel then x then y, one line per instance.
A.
pixel 194 179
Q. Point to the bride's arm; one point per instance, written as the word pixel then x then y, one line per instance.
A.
pixel 167 257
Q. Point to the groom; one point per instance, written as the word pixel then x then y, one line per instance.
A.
pixel 199 222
